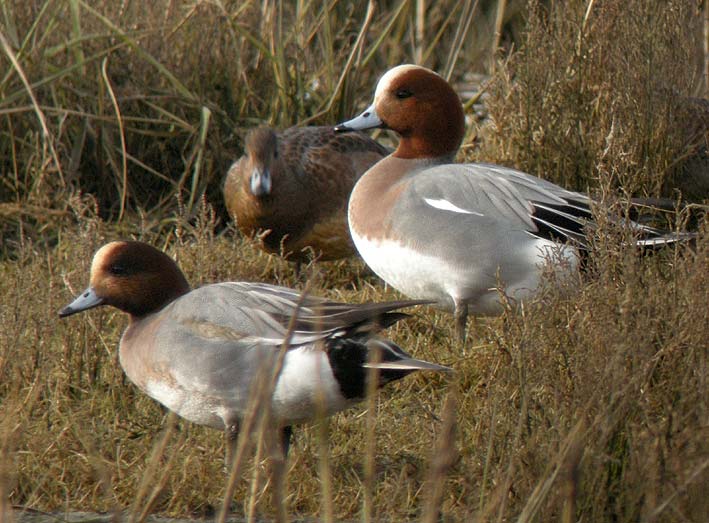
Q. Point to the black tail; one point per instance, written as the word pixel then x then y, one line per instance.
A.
pixel 351 359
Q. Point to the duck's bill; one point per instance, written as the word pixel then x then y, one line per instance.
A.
pixel 260 181
pixel 367 120
pixel 86 300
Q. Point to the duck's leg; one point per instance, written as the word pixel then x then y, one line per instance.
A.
pixel 278 472
pixel 231 437
pixel 461 316
pixel 286 437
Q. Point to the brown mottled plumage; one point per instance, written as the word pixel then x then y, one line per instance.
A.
pixel 291 188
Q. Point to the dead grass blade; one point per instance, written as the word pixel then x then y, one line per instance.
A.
pixel 122 134
pixel 461 31
pixel 171 78
pixel 368 509
pixel 155 475
pixel 354 54
pixel 567 459
pixel 47 135
pixel 443 458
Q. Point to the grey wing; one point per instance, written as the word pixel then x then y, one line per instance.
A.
pixel 259 313
pixel 219 336
pixel 563 215
pixel 316 317
pixel 499 200
pixel 213 349
pixel 241 314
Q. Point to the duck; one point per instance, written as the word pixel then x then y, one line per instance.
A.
pixel 454 233
pixel 199 352
pixel 290 189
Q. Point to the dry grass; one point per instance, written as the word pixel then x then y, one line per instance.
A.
pixel 594 395
pixel 605 87
pixel 139 103
pixel 588 403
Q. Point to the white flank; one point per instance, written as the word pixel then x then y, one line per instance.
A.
pixel 305 380
pixel 192 406
pixel 428 276
pixel 415 274
pixel 445 205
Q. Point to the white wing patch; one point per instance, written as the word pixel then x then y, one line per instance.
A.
pixel 445 205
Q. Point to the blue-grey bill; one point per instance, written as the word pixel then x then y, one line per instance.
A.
pixel 367 120
pixel 260 182
pixel 86 300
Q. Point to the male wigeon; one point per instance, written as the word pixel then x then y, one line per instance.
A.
pixel 199 352
pixel 290 189
pixel 449 232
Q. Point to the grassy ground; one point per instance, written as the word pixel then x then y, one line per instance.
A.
pixel 119 119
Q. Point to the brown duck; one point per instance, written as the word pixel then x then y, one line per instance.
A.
pixel 290 189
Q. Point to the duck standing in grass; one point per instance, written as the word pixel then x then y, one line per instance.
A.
pixel 290 189
pixel 199 352
pixel 449 232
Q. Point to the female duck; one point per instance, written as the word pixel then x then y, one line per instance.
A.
pixel 290 189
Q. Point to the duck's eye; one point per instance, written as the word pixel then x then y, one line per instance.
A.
pixel 118 269
pixel 403 93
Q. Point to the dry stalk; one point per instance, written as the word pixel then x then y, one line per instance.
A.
pixel 48 137
pixel 260 408
pixel 138 514
pixel 443 459
pixel 565 464
pixel 122 134
pixel 368 510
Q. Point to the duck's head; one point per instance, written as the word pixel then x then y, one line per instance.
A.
pixel 131 276
pixel 421 107
pixel 262 153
